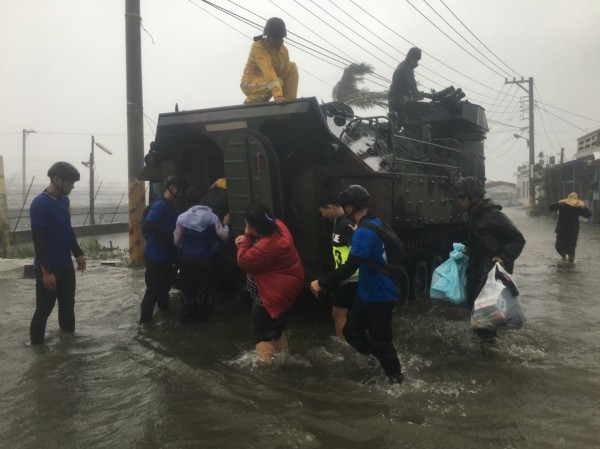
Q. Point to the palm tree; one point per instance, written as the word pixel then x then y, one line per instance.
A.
pixel 347 91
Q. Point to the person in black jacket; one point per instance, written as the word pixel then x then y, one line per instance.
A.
pixel 492 237
pixel 567 226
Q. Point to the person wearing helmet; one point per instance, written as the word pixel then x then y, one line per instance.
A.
pixel 368 327
pixel 269 71
pixel 161 254
pixel 341 239
pixel 54 241
pixel 403 89
pixel 491 237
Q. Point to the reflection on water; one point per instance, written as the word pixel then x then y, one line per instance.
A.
pixel 116 384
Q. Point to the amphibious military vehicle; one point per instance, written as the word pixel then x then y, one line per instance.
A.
pixel 286 155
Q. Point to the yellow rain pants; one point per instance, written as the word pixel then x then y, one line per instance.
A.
pixel 269 73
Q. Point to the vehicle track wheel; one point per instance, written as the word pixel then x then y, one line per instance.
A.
pixel 419 281
pixel 436 261
pixel 402 281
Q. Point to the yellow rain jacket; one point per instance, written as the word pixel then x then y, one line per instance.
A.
pixel 269 72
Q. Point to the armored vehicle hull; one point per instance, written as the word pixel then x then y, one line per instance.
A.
pixel 285 156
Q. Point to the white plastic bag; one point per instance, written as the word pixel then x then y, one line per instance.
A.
pixel 497 304
pixel 449 279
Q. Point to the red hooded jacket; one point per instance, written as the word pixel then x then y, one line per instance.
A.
pixel 275 264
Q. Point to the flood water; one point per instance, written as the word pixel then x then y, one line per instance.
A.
pixel 119 385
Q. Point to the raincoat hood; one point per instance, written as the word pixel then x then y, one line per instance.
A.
pixel 572 200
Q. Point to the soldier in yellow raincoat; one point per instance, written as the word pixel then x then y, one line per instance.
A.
pixel 269 71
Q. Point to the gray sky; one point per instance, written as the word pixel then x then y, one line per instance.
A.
pixel 62 67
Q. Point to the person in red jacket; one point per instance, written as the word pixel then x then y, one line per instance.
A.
pixel 274 278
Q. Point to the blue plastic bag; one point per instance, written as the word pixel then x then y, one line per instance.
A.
pixel 450 278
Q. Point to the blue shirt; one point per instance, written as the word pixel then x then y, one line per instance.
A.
pixel 161 248
pixel 52 215
pixel 373 286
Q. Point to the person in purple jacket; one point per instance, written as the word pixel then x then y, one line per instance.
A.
pixel 199 236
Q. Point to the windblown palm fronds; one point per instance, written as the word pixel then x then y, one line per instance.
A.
pixel 347 91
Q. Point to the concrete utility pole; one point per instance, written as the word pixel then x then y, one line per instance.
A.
pixel 135 130
pixel 26 132
pixel 530 141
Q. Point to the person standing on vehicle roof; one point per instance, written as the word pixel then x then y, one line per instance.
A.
pixel 160 255
pixel 54 241
pixel 341 239
pixel 403 89
pixel 269 71
pixel 491 238
pixel 369 325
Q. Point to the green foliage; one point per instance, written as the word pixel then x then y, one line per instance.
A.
pixel 91 249
pixel 547 179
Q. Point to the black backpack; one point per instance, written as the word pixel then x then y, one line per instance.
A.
pixel 392 245
pixel 143 220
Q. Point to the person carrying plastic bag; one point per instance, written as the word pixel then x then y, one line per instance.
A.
pixel 450 278
pixel 491 238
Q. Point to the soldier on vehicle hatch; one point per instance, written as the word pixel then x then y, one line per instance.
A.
pixel 403 89
pixel 269 71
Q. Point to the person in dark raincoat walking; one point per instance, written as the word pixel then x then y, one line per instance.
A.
pixel 492 238
pixel 567 226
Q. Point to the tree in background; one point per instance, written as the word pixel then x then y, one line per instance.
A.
pixel 347 91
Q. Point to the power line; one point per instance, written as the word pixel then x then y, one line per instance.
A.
pixel 465 39
pixel 349 58
pixel 425 52
pixel 473 34
pixel 563 110
pixel 566 121
pixel 463 48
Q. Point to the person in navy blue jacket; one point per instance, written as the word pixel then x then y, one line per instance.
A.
pixel 54 241
pixel 199 235
pixel 160 254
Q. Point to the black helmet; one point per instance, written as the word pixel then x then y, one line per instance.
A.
pixel 469 186
pixel 176 181
pixel 64 171
pixel 275 27
pixel 355 196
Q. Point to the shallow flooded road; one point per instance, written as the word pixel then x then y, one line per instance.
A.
pixel 118 385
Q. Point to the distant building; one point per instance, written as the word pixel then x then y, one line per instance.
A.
pixel 587 145
pixel 582 174
pixel 504 193
pixel 522 194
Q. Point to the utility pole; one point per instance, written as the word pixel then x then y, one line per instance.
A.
pixel 530 141
pixel 135 129
pixel 92 212
pixel 26 132
pixel 91 165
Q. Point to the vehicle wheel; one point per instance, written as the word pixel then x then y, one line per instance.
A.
pixel 436 261
pixel 402 282
pixel 419 281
